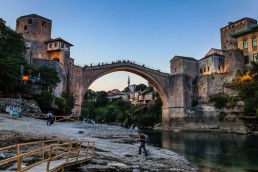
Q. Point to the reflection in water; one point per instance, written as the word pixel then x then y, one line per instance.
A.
pixel 225 152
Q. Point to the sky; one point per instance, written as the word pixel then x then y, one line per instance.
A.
pixel 149 32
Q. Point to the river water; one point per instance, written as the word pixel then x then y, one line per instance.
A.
pixel 214 151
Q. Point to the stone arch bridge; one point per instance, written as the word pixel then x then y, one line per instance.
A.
pixel 174 91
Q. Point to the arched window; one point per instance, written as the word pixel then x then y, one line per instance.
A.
pixel 56 59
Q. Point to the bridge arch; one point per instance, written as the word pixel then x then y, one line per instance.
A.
pixel 158 79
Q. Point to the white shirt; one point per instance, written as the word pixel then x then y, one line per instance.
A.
pixel 49 114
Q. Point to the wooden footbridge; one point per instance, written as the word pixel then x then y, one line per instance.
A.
pixel 46 156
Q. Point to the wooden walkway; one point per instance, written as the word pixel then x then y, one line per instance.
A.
pixel 49 156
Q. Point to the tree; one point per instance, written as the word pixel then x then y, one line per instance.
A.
pixel 247 85
pixel 126 89
pixel 90 95
pixel 49 76
pixel 66 102
pixel 45 100
pixel 12 53
pixel 101 99
pixel 140 87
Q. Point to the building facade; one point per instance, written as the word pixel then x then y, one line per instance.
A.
pixel 213 62
pixel 247 42
pixel 229 43
pixel 42 49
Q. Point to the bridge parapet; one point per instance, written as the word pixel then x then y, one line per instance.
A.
pixel 121 63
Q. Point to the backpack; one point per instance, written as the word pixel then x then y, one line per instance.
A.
pixel 146 138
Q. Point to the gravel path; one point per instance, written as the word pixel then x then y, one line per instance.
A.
pixel 113 143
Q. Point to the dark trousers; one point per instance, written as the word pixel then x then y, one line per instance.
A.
pixel 49 120
pixel 142 146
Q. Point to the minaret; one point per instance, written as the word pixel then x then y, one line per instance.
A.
pixel 128 82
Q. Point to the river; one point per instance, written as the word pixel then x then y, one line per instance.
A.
pixel 220 152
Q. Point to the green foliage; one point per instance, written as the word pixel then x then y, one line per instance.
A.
pixel 220 100
pixel 89 95
pixel 126 89
pixel 221 116
pixel 65 103
pixel 45 100
pixel 118 110
pixel 194 103
pixel 12 51
pixel 140 87
pixel 49 76
pixel 247 85
pixel 101 99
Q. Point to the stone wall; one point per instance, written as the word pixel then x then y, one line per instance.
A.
pixel 28 107
pixel 34 28
pixel 62 85
pixel 75 85
pixel 184 65
pixel 211 64
pixel 227 42
pixel 38 50
pixel 234 60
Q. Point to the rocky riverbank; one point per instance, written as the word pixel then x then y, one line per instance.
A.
pixel 207 125
pixel 116 147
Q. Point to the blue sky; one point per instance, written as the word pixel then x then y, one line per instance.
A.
pixel 146 31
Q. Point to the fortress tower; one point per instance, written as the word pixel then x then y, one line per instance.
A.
pixel 42 49
pixel 34 27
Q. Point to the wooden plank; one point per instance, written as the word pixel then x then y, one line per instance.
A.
pixel 69 156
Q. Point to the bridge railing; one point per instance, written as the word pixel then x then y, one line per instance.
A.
pixel 80 151
pixel 123 61
pixel 62 118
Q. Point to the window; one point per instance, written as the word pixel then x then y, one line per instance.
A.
pixel 50 45
pixel 219 67
pixel 29 21
pixel 67 47
pixel 254 42
pixel 246 59
pixel 204 70
pixel 245 44
pixel 175 69
pixel 62 45
pixel 255 57
pixel 25 27
pixel 208 69
pixel 44 24
pixel 55 44
pixel 200 71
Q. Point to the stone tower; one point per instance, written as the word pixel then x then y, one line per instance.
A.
pixel 34 27
pixel 35 31
pixel 229 43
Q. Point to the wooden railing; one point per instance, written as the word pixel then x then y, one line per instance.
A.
pixel 51 154
pixel 62 118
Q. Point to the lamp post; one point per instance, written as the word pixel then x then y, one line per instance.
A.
pixel 22 70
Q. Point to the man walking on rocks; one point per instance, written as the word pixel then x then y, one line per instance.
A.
pixel 49 118
pixel 143 141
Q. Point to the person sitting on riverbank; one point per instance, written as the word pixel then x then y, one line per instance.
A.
pixel 143 141
pixel 92 121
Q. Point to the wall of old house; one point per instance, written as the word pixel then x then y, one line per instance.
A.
pixel 227 42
